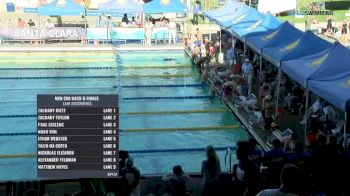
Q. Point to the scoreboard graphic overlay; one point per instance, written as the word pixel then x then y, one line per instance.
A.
pixel 78 136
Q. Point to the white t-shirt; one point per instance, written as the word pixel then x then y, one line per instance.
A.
pixel 274 192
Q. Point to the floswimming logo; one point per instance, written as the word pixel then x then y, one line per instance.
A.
pixel 121 2
pixel 290 46
pixel 61 3
pixel 318 61
pixel 237 20
pixel 270 36
pixel 345 84
pixel 165 2
pixel 254 25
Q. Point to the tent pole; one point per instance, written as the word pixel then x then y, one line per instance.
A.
pixel 306 114
pixel 220 40
pixel 260 67
pixel 209 31
pixel 278 90
pixel 345 124
pixel 244 50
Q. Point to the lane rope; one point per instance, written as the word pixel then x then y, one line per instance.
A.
pixel 181 129
pixel 79 77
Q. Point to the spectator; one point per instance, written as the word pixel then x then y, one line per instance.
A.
pixel 196 11
pixel 344 31
pixel 100 22
pixel 300 158
pixel 49 24
pixel 255 154
pixel 176 182
pixel 148 32
pixel 131 176
pixel 247 71
pixel 210 170
pixel 133 22
pixel 230 56
pixel 172 31
pixel 274 161
pixel 289 142
pixel 21 23
pixel 123 155
pixel 229 89
pixel 268 109
pixel 32 192
pixel 290 179
pixel 125 19
pixel 245 173
pixel 31 23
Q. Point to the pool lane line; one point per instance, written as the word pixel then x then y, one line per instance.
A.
pixel 80 68
pixel 136 113
pixel 109 87
pixel 181 129
pixel 80 77
pixel 222 148
pixel 55 60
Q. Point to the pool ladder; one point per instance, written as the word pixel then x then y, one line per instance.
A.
pixel 228 156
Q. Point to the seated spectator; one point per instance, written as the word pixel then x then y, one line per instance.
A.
pixel 274 161
pixel 133 22
pixel 21 23
pixel 210 171
pixel 289 142
pixel 176 183
pixel 125 19
pixel 131 177
pixel 290 183
pixel 31 23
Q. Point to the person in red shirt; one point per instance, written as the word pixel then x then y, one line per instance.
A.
pixel 21 23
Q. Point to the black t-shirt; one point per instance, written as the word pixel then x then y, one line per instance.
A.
pixel 31 24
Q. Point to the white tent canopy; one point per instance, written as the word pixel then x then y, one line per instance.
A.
pixel 279 6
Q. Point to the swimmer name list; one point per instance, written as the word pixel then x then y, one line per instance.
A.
pixel 77 136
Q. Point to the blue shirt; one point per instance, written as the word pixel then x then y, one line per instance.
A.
pixel 247 68
pixel 196 9
pixel 230 54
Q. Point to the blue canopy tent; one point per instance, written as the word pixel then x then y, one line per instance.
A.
pixel 164 6
pixel 327 64
pixel 229 8
pixel 120 7
pixel 227 20
pixel 68 8
pixel 246 19
pixel 336 91
pixel 285 33
pixel 267 23
pixel 308 43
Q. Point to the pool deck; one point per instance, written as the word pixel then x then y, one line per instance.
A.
pixel 77 47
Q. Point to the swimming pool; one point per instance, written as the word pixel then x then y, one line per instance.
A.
pixel 166 114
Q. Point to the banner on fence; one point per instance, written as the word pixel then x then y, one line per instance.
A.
pixel 57 33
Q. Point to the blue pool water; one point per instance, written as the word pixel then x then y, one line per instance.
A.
pixel 159 92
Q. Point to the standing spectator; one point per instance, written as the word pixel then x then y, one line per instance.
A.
pixel 31 23
pixel 329 25
pixel 274 161
pixel 255 154
pixel 210 170
pixel 230 56
pixel 199 34
pixel 196 10
pixel 100 22
pixel 267 106
pixel 247 71
pixel 246 174
pixel 131 176
pixel 344 31
pixel 177 182
pixel 148 32
pixel 21 23
pixel 172 31
pixel 290 180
